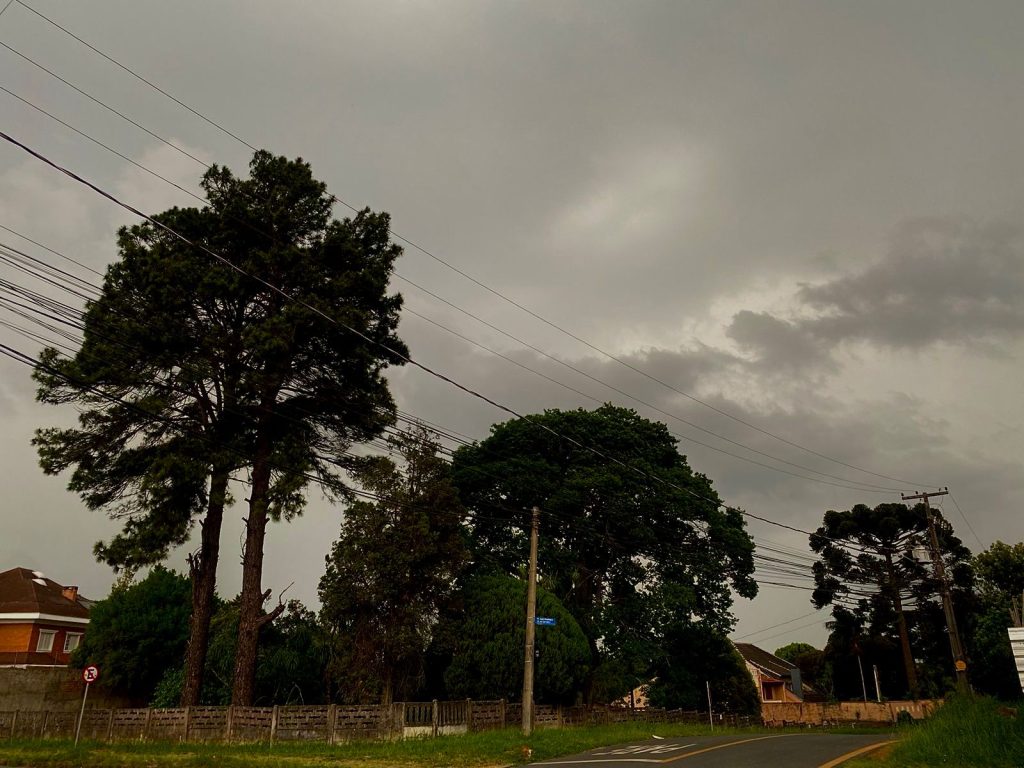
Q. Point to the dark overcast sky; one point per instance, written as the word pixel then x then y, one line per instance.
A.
pixel 806 214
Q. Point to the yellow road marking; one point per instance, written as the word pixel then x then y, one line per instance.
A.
pixel 723 746
pixel 850 755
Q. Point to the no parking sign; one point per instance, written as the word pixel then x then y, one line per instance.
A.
pixel 90 675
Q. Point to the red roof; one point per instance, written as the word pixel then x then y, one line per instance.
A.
pixel 25 591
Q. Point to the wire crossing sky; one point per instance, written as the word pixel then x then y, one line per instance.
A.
pixel 804 217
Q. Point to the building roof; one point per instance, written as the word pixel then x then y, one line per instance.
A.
pixel 26 591
pixel 765 661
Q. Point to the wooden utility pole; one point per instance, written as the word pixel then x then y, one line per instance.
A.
pixel 531 627
pixel 959 661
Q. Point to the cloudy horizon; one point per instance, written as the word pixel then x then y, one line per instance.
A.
pixel 806 216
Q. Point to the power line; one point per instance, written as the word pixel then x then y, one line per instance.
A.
pixel 134 74
pixel 845 483
pixel 440 260
pixel 969 526
pixel 103 104
pixel 382 345
pixel 789 631
pixel 775 626
pixel 579 524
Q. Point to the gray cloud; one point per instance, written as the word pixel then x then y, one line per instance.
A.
pixel 647 175
pixel 942 280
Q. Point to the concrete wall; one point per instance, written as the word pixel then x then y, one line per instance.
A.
pixel 57 689
pixel 787 713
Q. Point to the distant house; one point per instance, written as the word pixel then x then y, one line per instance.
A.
pixel 41 621
pixel 636 698
pixel 775 679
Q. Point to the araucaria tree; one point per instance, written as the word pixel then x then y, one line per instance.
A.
pixel 194 369
pixel 871 571
pixel 633 542
pixel 392 571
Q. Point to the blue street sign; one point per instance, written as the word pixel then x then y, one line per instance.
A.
pixel 544 621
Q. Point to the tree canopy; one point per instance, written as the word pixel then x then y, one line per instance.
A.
pixel 488 640
pixel 138 632
pixel 694 658
pixel 884 597
pixel 268 356
pixel 1000 575
pixel 392 571
pixel 632 540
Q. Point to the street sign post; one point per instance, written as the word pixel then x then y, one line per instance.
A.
pixel 545 621
pixel 90 675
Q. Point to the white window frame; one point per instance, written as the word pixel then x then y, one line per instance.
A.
pixel 69 637
pixel 46 634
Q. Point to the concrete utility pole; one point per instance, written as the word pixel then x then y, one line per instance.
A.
pixel 531 627
pixel 959 661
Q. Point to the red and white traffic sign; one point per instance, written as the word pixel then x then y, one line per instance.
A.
pixel 91 674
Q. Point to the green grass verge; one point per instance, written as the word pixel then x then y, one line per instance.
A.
pixel 476 750
pixel 965 732
pixel 487 749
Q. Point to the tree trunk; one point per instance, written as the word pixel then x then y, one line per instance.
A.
pixel 901 623
pixel 250 619
pixel 204 584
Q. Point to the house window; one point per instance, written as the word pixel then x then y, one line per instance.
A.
pixel 71 641
pixel 45 643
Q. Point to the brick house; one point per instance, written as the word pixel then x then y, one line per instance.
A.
pixel 41 621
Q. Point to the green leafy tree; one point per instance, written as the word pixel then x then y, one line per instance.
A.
pixel 1000 578
pixel 815 669
pixel 489 637
pixel 793 651
pixel 193 370
pixel 868 572
pixel 392 571
pixel 292 663
pixel 139 632
pixel 694 658
pixel 632 540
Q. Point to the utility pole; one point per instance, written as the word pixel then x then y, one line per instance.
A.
pixel 531 627
pixel 959 661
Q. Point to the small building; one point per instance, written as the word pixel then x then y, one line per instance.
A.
pixel 775 679
pixel 41 621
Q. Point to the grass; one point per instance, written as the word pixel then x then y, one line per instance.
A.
pixel 964 732
pixel 477 750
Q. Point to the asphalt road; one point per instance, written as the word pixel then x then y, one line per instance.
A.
pixel 796 750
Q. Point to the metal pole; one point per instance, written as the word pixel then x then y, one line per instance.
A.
pixel 863 685
pixel 531 628
pixel 959 660
pixel 711 717
pixel 78 728
pixel 878 685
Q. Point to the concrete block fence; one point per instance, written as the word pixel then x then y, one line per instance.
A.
pixel 332 724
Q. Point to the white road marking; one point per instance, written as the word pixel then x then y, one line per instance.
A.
pixel 619 755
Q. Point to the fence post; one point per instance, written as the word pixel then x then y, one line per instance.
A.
pixel 332 721
pixel 229 723
pixel 145 725
pixel 501 709
pixel 188 722
pixel 273 725
pixel 42 727
pixel 14 723
pixel 433 718
pixel 469 715
pixel 110 726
